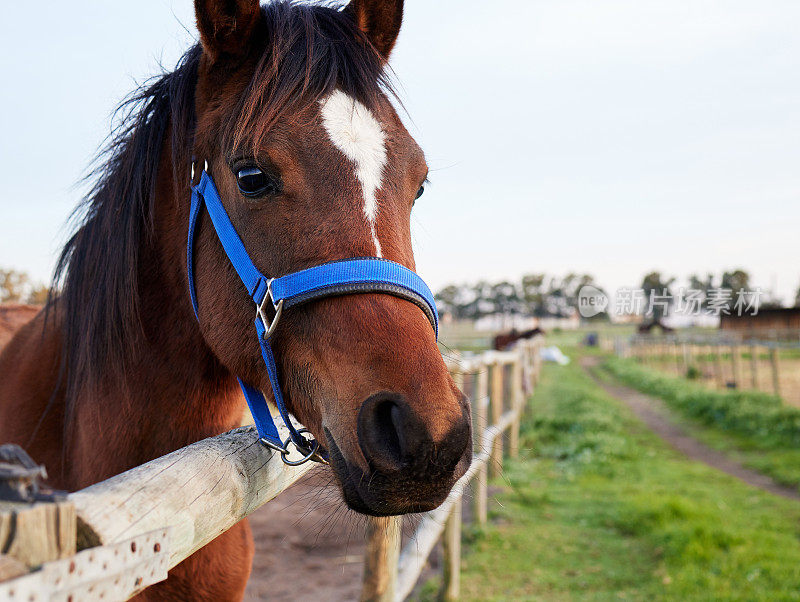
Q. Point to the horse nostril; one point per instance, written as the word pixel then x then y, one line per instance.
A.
pixel 394 438
pixel 388 433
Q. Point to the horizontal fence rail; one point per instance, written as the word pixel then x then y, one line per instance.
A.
pixel 721 361
pixel 115 538
pixel 501 382
pixel 184 500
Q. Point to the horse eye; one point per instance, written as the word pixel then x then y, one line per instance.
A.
pixel 253 182
pixel 420 192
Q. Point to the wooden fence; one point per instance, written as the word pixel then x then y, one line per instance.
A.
pixel 501 383
pixel 129 530
pixel 722 362
pixel 113 539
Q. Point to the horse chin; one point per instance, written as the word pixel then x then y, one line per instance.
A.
pixel 376 495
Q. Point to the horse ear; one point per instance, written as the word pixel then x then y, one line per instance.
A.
pixel 380 20
pixel 226 26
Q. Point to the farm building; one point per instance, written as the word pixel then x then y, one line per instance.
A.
pixel 773 321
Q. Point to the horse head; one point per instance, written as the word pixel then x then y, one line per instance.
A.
pixel 313 164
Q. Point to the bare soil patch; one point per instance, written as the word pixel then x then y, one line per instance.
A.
pixel 309 545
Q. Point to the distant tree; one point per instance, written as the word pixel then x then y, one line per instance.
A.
pixel 697 283
pixel 555 297
pixel 561 295
pixel 532 293
pixel 17 287
pixel 797 298
pixel 505 298
pixel 38 295
pixel 13 286
pixel 736 281
pixel 658 295
pixel 481 300
pixel 447 300
pixel 701 284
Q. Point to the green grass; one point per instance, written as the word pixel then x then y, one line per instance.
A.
pixel 598 508
pixel 755 428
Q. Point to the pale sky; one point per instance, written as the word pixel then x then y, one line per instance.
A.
pixel 610 137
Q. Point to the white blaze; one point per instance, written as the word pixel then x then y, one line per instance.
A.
pixel 354 130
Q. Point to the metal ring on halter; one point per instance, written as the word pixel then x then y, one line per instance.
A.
pixel 309 454
pixel 269 327
pixel 205 168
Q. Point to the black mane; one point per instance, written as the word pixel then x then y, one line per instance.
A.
pixel 309 52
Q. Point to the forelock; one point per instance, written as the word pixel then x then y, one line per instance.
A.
pixel 309 51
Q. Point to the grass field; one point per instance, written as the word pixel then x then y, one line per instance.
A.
pixel 598 508
pixel 754 428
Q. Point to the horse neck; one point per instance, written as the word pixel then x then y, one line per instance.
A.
pixel 175 391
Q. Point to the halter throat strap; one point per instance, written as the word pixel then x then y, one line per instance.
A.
pixel 344 277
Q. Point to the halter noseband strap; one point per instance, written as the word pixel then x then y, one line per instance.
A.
pixel 345 277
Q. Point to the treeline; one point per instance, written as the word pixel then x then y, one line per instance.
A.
pixel 537 295
pixel 541 295
pixel 17 287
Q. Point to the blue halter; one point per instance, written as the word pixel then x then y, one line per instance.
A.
pixel 345 277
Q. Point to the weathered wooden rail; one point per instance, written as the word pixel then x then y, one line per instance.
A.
pixel 153 516
pixel 501 381
pixel 115 538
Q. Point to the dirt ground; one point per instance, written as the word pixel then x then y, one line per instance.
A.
pixel 654 413
pixel 309 546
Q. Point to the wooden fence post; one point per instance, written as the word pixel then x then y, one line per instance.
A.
pixel 530 366
pixel 451 548
pixel 776 378
pixel 737 372
pixel 380 559
pixel 517 403
pixel 496 404
pixel 32 531
pixel 718 366
pixel 701 362
pixel 481 490
pixel 754 366
pixel 38 532
pixel 537 359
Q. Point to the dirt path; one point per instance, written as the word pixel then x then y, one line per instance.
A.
pixel 309 546
pixel 654 413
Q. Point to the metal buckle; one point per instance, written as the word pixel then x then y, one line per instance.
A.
pixel 269 327
pixel 205 168
pixel 310 453
pixel 276 447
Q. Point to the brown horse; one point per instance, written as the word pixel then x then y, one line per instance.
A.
pixel 505 340
pixel 290 106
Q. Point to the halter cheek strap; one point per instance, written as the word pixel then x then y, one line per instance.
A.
pixel 345 277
